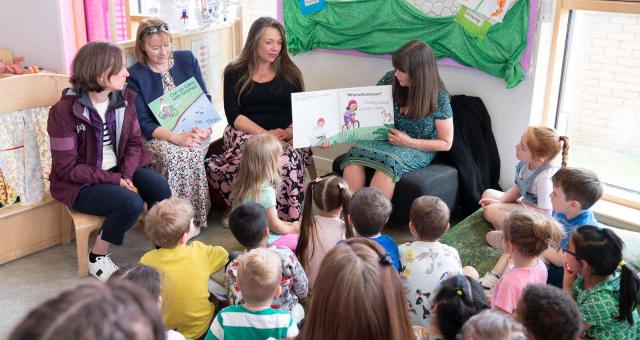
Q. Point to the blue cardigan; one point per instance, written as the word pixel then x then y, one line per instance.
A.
pixel 148 85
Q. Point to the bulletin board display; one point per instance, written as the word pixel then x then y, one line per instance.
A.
pixel 379 27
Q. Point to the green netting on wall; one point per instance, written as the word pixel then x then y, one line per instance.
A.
pixel 382 26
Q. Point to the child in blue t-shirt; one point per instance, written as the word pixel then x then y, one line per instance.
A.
pixel 369 211
pixel 574 192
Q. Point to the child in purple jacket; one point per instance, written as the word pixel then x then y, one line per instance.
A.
pixel 98 159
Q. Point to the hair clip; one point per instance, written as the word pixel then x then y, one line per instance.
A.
pixel 599 229
pixel 386 259
pixel 317 180
pixel 459 292
pixel 341 186
pixel 621 264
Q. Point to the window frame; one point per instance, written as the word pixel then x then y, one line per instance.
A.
pixel 557 54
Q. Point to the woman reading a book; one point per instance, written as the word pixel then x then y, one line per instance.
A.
pixel 179 157
pixel 423 123
pixel 257 99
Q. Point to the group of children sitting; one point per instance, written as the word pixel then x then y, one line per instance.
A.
pixel 357 283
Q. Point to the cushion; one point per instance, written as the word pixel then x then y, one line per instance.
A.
pixel 438 179
pixel 468 237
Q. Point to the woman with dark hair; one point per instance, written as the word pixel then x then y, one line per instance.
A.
pixel 179 157
pixel 358 295
pixel 257 99
pixel 423 123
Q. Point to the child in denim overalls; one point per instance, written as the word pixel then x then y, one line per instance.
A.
pixel 537 148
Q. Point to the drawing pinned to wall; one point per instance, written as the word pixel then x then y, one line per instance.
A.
pixel 494 10
pixel 312 6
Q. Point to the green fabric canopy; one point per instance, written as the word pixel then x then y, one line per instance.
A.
pixel 382 26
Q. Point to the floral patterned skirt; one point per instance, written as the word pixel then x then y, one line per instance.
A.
pixel 183 167
pixel 222 170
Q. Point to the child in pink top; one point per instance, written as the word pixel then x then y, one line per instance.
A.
pixel 526 235
pixel 320 233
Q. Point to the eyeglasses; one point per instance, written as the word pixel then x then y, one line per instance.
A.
pixel 155 29
pixel 569 252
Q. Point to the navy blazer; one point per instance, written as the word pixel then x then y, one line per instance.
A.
pixel 148 85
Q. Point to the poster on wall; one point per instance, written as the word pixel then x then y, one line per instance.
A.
pixel 312 6
pixel 184 108
pixel 341 115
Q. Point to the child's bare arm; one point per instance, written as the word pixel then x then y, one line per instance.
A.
pixel 279 226
pixel 554 256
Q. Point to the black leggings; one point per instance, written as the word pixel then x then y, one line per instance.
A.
pixel 120 206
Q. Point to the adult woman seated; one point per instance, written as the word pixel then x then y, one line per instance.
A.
pixel 423 123
pixel 98 161
pixel 257 99
pixel 179 157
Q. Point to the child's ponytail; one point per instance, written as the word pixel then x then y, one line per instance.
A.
pixel 601 248
pixel 565 150
pixel 328 194
pixel 532 232
pixel 307 225
pixel 458 299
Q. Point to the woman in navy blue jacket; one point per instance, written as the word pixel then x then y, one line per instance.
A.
pixel 179 157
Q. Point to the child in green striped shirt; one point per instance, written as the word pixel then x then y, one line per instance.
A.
pixel 259 274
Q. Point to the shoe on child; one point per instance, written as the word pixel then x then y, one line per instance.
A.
pixel 224 219
pixel 102 268
pixel 489 281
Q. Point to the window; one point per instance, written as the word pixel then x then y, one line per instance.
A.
pixel 598 97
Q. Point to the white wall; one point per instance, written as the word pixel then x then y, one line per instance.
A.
pixel 33 28
pixel 509 108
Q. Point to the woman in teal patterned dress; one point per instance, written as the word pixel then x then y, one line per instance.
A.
pixel 423 123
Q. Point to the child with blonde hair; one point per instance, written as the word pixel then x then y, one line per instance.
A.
pixel 538 146
pixel 259 277
pixel 248 223
pixel 526 235
pixel 185 269
pixel 319 233
pixel 257 181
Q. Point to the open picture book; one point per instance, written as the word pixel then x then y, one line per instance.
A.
pixel 341 115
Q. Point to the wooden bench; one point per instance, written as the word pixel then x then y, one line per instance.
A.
pixel 28 228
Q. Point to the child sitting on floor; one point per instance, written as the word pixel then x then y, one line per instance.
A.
pixel 492 325
pixel 248 223
pixel 548 313
pixel 457 299
pixel 257 180
pixel 149 279
pixel 526 235
pixel 321 232
pixel 574 192
pixel 427 262
pixel 185 269
pixel 606 289
pixel 369 211
pixel 259 273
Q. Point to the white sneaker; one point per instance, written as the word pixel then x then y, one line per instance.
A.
pixel 102 268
